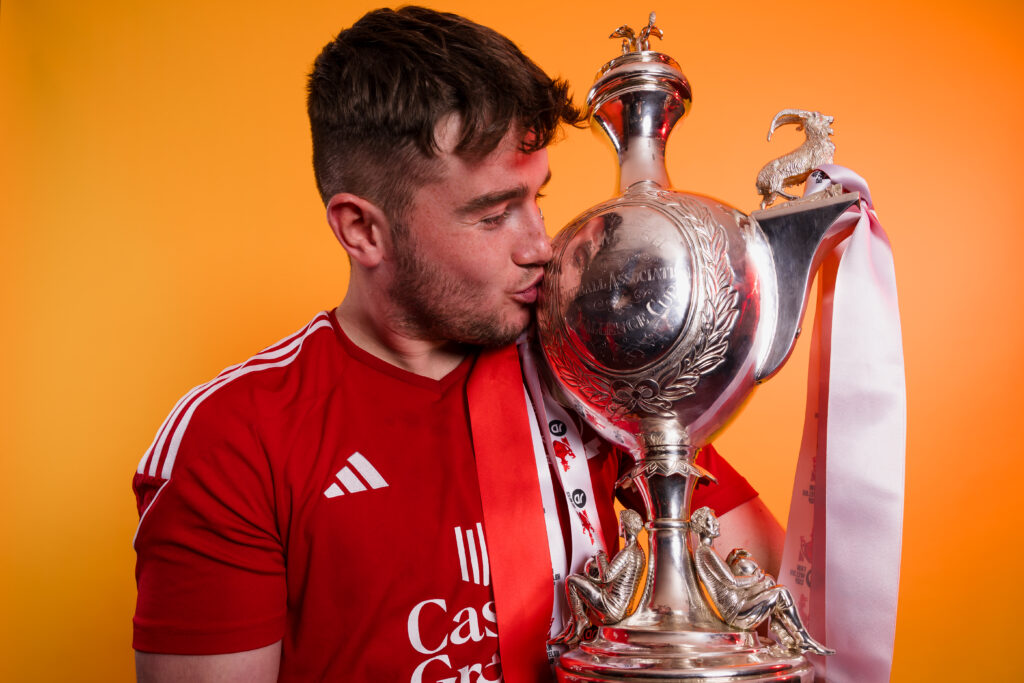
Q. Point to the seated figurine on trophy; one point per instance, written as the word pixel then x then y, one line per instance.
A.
pixel 603 593
pixel 744 594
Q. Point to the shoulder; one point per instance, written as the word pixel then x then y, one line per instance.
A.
pixel 301 353
pixel 226 409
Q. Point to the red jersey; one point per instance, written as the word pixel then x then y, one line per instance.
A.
pixel 318 495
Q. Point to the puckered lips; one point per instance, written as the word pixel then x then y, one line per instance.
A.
pixel 528 295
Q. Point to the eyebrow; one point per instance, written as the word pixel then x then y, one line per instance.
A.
pixel 491 198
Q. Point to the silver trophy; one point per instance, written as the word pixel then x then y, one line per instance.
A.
pixel 660 312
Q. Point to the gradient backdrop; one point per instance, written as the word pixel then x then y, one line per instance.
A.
pixel 159 222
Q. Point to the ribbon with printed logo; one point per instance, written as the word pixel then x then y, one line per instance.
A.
pixel 844 536
pixel 559 443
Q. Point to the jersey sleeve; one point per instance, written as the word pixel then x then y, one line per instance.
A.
pixel 604 473
pixel 210 561
pixel 729 491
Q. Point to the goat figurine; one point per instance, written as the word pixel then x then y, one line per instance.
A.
pixel 631 42
pixel 793 168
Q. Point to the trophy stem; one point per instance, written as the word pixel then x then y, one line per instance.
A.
pixel 666 476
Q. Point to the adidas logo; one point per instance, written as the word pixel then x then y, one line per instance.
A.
pixel 349 482
pixel 473 555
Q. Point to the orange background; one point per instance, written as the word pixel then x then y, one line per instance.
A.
pixel 160 222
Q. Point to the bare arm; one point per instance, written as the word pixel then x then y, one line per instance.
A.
pixel 255 666
pixel 753 526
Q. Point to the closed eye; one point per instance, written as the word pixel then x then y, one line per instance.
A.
pixel 496 220
pixel 516 198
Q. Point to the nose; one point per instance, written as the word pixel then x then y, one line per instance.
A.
pixel 534 245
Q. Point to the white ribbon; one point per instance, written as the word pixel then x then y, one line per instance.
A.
pixel 557 441
pixel 844 537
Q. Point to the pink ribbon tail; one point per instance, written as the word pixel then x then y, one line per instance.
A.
pixel 844 537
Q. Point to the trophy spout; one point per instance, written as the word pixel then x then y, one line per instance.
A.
pixel 800 234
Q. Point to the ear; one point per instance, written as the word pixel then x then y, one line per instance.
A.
pixel 360 226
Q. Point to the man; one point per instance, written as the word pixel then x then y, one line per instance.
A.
pixel 743 594
pixel 605 588
pixel 339 506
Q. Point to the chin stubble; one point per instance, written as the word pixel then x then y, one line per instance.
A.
pixel 436 307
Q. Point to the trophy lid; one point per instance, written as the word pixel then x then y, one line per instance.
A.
pixel 637 99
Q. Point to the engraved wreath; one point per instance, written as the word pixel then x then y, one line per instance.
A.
pixel 655 396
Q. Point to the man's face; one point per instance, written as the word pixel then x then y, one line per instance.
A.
pixel 468 259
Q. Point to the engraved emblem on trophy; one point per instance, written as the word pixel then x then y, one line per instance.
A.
pixel 660 312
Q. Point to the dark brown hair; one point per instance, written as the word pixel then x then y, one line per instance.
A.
pixel 378 91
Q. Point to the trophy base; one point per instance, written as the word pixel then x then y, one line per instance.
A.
pixel 629 654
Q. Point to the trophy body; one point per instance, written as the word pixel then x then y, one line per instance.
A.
pixel 660 312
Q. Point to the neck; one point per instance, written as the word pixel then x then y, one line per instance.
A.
pixel 428 358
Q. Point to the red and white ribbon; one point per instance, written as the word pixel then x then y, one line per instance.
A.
pixel 844 536
pixel 561 445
